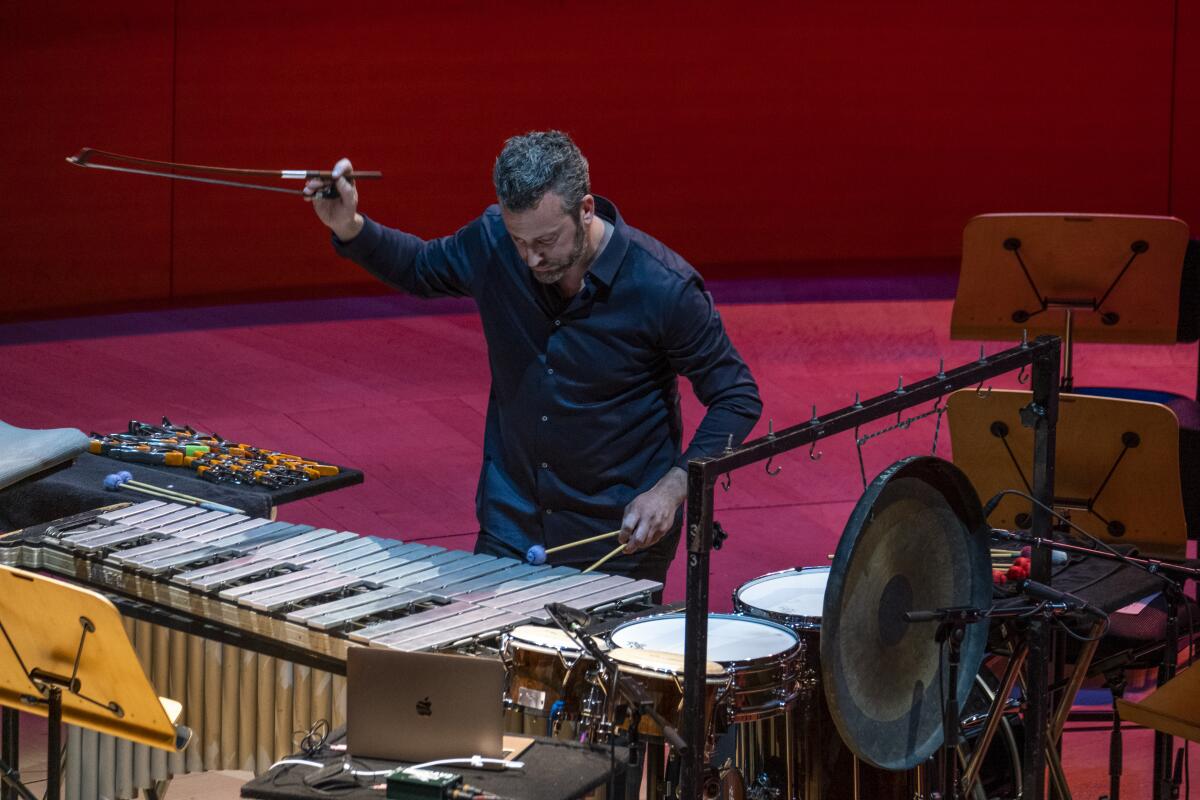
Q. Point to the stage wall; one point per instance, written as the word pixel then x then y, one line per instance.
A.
pixel 754 138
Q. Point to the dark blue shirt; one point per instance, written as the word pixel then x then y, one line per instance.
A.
pixel 583 414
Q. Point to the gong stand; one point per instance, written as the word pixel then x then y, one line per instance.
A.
pixel 952 627
pixel 1043 357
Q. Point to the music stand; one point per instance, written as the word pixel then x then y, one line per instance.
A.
pixel 65 656
pixel 1116 464
pixel 1173 708
pixel 1091 278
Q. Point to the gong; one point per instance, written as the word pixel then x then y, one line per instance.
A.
pixel 917 540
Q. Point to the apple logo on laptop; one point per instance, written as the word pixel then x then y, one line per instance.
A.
pixel 425 707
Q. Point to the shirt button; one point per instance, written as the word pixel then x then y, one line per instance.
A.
pixel 549 510
pixel 557 322
pixel 545 418
pixel 550 371
pixel 545 465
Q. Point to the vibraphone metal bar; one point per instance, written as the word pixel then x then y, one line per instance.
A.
pixel 248 620
pixel 1043 355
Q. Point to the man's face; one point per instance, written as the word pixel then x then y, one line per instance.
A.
pixel 550 241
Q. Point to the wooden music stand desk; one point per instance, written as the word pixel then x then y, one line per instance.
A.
pixel 65 656
pixel 1099 277
pixel 1173 708
pixel 1116 464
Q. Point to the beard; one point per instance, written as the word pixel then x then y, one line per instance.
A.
pixel 551 272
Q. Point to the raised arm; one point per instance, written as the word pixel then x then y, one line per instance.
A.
pixel 434 268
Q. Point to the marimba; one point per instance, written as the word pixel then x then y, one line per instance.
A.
pixel 248 620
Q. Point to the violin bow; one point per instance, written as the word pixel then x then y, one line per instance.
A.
pixel 84 158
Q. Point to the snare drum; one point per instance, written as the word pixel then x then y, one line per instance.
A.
pixel 761 656
pixel 791 597
pixel 544 666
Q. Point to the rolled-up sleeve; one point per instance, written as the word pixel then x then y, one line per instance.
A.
pixel 698 348
pixel 427 268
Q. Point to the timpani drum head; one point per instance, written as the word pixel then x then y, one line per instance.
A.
pixel 917 540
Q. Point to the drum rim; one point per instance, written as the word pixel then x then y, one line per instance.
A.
pixel 735 665
pixel 793 621
pixel 724 679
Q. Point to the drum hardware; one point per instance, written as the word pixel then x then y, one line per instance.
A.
pixel 572 622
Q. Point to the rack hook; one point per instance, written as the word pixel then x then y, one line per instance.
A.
pixel 980 392
pixel 1023 375
pixel 813 453
pixel 726 482
pixel 770 436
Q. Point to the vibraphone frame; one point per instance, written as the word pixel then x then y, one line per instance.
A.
pixel 1043 356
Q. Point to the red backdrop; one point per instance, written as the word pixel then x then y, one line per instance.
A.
pixel 755 137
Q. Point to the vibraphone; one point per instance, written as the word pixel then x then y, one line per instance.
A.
pixel 247 621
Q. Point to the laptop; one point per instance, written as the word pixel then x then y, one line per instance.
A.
pixel 418 707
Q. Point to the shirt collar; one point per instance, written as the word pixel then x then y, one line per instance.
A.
pixel 606 266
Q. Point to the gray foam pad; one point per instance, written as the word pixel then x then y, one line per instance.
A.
pixel 26 452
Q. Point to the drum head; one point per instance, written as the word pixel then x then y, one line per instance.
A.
pixel 543 636
pixel 794 597
pixel 917 540
pixel 731 639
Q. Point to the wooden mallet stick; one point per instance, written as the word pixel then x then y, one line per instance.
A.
pixel 599 563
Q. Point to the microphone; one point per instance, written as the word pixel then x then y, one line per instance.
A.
pixel 1072 603
pixel 1057 557
pixel 574 618
pixel 990 505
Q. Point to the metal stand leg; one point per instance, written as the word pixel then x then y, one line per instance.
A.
pixel 1164 744
pixel 10 736
pixel 54 746
pixel 1116 753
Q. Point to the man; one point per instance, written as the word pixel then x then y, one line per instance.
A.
pixel 588 322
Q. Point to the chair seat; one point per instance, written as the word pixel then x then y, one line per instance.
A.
pixel 1144 632
pixel 24 452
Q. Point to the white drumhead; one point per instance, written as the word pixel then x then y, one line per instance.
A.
pixel 797 593
pixel 542 636
pixel 730 638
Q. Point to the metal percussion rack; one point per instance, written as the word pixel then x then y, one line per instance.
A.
pixel 1043 357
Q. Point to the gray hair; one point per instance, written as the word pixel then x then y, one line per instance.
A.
pixel 538 162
